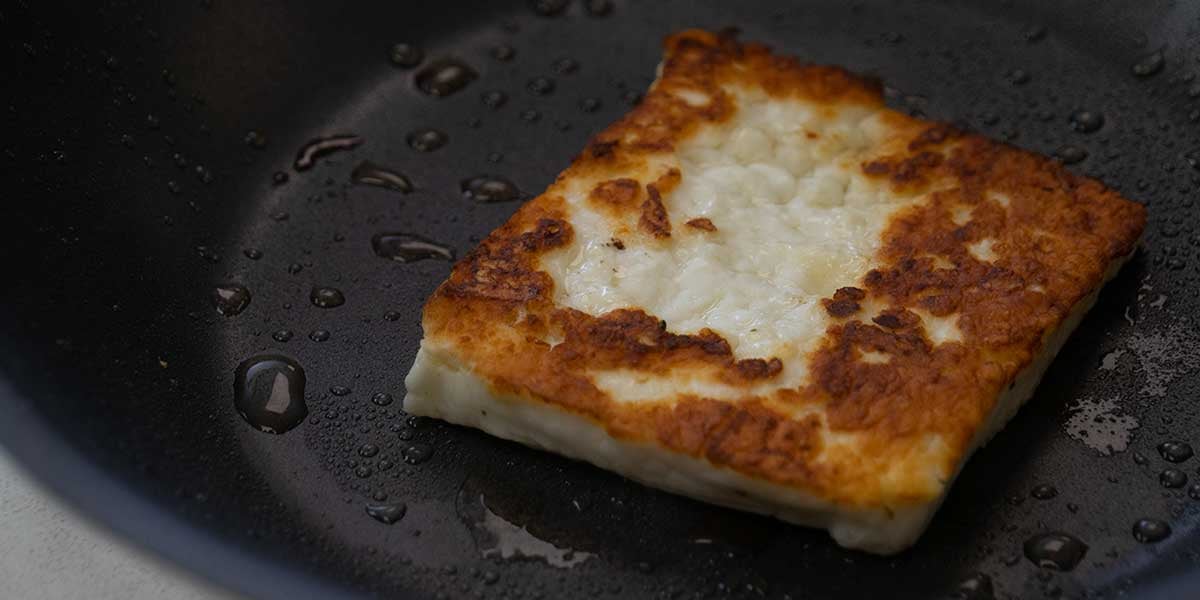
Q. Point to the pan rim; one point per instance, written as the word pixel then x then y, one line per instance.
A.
pixel 62 470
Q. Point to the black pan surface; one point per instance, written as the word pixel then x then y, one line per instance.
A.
pixel 132 191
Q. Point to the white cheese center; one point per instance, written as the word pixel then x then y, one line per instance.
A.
pixel 795 219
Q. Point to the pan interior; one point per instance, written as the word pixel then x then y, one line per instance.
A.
pixel 153 157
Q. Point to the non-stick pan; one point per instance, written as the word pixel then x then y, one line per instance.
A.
pixel 150 156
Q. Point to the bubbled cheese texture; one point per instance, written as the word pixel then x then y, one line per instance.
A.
pixel 795 220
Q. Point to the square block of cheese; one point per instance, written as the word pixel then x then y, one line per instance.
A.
pixel 764 289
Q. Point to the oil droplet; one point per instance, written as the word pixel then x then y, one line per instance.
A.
pixel 566 66
pixel 1174 451
pixel 1149 531
pixel 318 335
pixel 1070 155
pixel 391 315
pixel 339 390
pixel 406 247
pixel 1194 491
pixel 503 53
pixel 427 140
pixel 540 86
pixel 230 299
pixel 416 454
pixel 497 537
pixel 406 56
pixel 326 297
pixel 1149 65
pixel 489 188
pixel 252 253
pixel 493 99
pixel 368 450
pixel 1172 478
pixel 589 105
pixel 308 155
pixel 269 393
pixel 1056 550
pixel 387 513
pixel 279 178
pixel 1018 76
pixel 295 268
pixel 598 8
pixel 976 587
pixel 381 399
pixel 282 336
pixel 1035 34
pixel 530 115
pixel 549 8
pixel 208 254
pixel 369 173
pixel 255 139
pixel 1086 121
pixel 444 77
pixel 1044 492
pixel 1102 425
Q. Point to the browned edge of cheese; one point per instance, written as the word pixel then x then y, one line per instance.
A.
pixel 1058 235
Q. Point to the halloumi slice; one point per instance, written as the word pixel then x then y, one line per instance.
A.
pixel 764 289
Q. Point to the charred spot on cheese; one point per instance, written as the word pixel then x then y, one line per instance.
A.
pixel 845 302
pixel 654 219
pixel 883 294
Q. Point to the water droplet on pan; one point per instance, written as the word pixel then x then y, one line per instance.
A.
pixel 548 8
pixel 231 299
pixel 566 66
pixel 427 140
pixel 1172 478
pixel 493 99
pixel 1149 65
pixel 976 587
pixel 269 393
pixel 406 56
pixel 381 398
pixel 444 77
pixel 503 52
pixel 416 454
pixel 1055 550
pixel 489 188
pixel 255 139
pixel 308 155
pixel 1070 155
pixel 326 297
pixel 1149 531
pixel 369 173
pixel 387 513
pixel 540 86
pixel 1044 492
pixel 1086 121
pixel 406 247
pixel 1176 452
pixel 598 8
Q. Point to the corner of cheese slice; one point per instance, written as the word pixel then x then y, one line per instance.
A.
pixel 764 289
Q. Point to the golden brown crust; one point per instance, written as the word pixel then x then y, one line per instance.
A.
pixel 1052 235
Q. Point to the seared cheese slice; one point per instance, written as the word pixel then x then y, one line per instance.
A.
pixel 764 289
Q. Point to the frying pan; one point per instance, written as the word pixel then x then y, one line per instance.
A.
pixel 141 150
